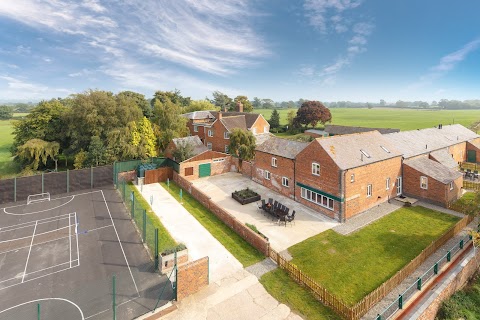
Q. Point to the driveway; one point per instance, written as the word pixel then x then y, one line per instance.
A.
pixel 307 222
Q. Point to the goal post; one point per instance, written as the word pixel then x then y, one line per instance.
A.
pixel 39 197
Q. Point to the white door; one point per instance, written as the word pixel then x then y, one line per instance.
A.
pixel 399 186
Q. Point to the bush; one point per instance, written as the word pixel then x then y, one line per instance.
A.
pixel 171 250
pixel 246 193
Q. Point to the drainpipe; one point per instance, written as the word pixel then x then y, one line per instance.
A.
pixel 294 181
pixel 342 194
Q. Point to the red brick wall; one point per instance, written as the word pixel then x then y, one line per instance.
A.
pixel 437 192
pixel 472 147
pixel 192 277
pixel 376 174
pixel 285 168
pixel 218 141
pixel 200 133
pixel 216 167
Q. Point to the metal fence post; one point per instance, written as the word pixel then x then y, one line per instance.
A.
pixel 43 184
pixel 113 298
pixel 400 301
pixel 68 181
pixel 449 256
pixel 132 198
pixel 461 244
pixel 91 177
pixel 115 174
pixel 144 225
pixel 38 311
pixel 419 284
pixel 15 189
pixel 435 268
pixel 156 249
pixel 379 317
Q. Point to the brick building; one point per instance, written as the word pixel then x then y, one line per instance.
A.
pixel 193 141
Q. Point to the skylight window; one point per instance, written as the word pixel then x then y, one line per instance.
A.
pixel 385 149
pixel 365 153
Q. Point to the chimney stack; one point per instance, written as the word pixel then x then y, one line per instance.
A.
pixel 239 106
pixel 220 115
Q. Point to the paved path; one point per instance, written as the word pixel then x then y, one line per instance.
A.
pixel 262 267
pixel 233 293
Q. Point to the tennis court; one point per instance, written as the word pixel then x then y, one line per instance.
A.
pixel 74 257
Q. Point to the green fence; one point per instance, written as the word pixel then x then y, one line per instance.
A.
pixel 138 212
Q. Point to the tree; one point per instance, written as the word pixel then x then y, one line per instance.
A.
pixel 96 152
pixel 383 103
pixel 148 140
pixel 242 145
pixel 257 103
pixel 171 124
pixel 80 159
pixel 183 151
pixel 312 112
pixel 222 101
pixel 174 96
pixel 268 104
pixel 138 99
pixel 290 119
pixel 35 150
pixel 274 119
pixel 199 105
pixel 6 112
pixel 247 106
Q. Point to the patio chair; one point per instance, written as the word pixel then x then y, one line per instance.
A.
pixel 270 200
pixel 264 205
pixel 290 218
pixel 260 205
pixel 286 210
pixel 275 204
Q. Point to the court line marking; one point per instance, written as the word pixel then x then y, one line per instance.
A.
pixel 76 236
pixel 118 305
pixel 73 195
pixel 29 226
pixel 31 223
pixel 39 234
pixel 45 299
pixel 39 211
pixel 70 240
pixel 51 267
pixel 36 244
pixel 29 251
pixel 121 247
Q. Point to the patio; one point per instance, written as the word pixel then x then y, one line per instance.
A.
pixel 307 222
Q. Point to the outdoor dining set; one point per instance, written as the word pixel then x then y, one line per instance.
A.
pixel 277 211
pixel 471 175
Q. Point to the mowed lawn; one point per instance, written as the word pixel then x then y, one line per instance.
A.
pixel 403 119
pixel 352 266
pixel 7 166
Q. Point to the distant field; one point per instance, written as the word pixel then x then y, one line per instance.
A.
pixel 7 166
pixel 402 119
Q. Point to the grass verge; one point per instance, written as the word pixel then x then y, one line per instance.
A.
pixel 239 248
pixel 297 298
pixel 165 240
pixel 464 304
pixel 352 266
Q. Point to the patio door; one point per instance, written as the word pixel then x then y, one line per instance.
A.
pixel 399 186
pixel 471 156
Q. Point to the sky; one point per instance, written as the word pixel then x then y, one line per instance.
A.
pixel 327 50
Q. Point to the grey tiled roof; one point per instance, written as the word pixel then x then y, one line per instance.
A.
pixel 234 122
pixel 262 137
pixel 433 169
pixel 444 158
pixel 338 130
pixel 417 142
pixel 250 118
pixel 199 115
pixel 195 141
pixel 282 147
pixel 346 150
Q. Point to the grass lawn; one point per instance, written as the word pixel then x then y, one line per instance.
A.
pixel 298 298
pixel 464 304
pixel 239 248
pixel 403 119
pixel 165 240
pixel 352 266
pixel 7 166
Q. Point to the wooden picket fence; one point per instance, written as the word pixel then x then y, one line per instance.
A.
pixel 361 308
pixel 470 185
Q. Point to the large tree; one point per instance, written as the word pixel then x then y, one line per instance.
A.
pixel 242 145
pixel 183 151
pixel 138 99
pixel 257 103
pixel 199 105
pixel 171 124
pixel 221 100
pixel 274 119
pixel 6 112
pixel 35 150
pixel 312 112
pixel 247 106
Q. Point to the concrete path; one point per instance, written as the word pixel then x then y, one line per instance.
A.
pixel 233 293
pixel 307 221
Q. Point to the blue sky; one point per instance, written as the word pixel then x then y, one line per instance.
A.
pixel 328 50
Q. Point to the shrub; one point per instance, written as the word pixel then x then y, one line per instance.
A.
pixel 171 250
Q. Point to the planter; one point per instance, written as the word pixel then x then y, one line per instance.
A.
pixel 237 195
pixel 167 262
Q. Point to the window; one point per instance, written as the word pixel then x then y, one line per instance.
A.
pixel 226 135
pixel 315 169
pixel 387 186
pixel 254 130
pixel 210 133
pixel 219 160
pixel 209 146
pixel 399 186
pixel 451 185
pixel 267 175
pixel 369 190
pixel 285 182
pixel 265 129
pixel 274 162
pixel 189 171
pixel 352 178
pixel 226 149
pixel 195 128
pixel 424 183
pixel 317 198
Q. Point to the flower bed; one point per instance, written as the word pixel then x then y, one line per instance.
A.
pixel 246 196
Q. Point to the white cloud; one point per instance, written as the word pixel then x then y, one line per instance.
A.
pixel 318 10
pixel 306 71
pixel 17 88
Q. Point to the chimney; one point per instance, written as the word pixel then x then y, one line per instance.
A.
pixel 220 115
pixel 225 109
pixel 239 106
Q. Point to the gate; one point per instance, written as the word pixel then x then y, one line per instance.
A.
pixel 471 156
pixel 204 170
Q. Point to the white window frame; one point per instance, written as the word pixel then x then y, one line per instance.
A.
pixel 387 182
pixel 423 185
pixel 352 177
pixel 399 186
pixel 316 168
pixel 226 149
pixel 209 146
pixel 265 129
pixel 226 135
pixel 274 162
pixel 267 175
pixel 254 130
pixel 195 128
pixel 210 133
pixel 369 190
pixel 451 185
pixel 285 182
pixel 318 199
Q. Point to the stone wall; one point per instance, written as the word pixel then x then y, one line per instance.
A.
pixel 192 277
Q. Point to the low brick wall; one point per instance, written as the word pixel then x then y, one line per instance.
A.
pixel 127 176
pixel 467 269
pixel 240 228
pixel 192 277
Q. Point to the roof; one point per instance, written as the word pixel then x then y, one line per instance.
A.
pixel 475 143
pixel 442 156
pixel 282 147
pixel 318 132
pixel 416 142
pixel 433 169
pixel 359 149
pixel 338 130
pixel 250 118
pixel 198 115
pixel 262 137
pixel 235 122
pixel 195 141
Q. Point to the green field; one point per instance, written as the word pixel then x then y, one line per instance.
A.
pixel 354 265
pixel 7 166
pixel 403 119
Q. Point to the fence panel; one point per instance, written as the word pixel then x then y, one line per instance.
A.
pixel 27 186
pixel 80 179
pixel 102 176
pixel 55 182
pixel 7 190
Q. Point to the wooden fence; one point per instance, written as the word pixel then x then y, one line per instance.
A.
pixel 469 165
pixel 361 308
pixel 470 185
